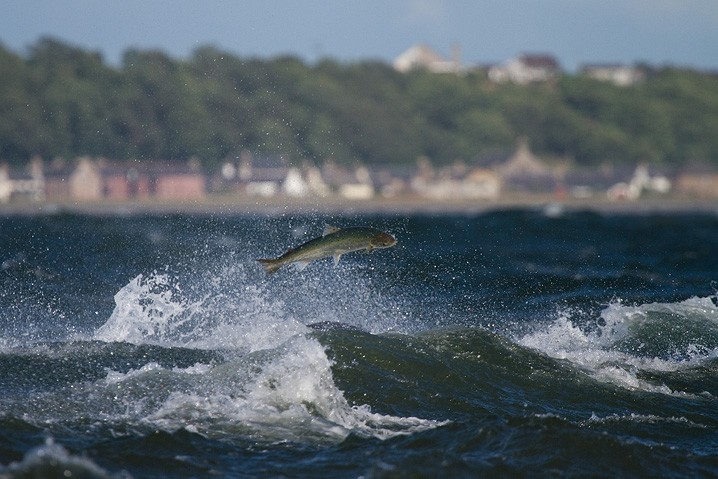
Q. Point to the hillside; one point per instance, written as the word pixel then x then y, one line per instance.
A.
pixel 58 100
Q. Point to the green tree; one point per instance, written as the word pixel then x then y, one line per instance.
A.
pixel 60 100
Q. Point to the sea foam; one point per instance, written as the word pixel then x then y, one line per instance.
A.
pixel 656 337
pixel 275 385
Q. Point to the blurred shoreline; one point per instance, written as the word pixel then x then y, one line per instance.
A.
pixel 222 205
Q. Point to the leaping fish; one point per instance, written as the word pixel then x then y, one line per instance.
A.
pixel 334 242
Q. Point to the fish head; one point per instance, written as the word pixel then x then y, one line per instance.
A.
pixel 382 240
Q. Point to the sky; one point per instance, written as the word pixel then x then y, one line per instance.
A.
pixel 681 33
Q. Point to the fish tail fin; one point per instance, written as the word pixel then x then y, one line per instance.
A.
pixel 270 265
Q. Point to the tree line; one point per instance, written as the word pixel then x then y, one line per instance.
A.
pixel 58 100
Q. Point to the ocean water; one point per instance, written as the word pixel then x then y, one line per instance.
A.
pixel 510 343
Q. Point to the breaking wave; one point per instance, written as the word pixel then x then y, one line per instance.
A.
pixel 274 381
pixel 636 347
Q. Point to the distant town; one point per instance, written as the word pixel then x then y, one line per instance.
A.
pixel 498 176
pixel 492 176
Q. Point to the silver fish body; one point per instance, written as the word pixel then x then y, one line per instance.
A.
pixel 335 242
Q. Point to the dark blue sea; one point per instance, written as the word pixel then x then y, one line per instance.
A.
pixel 516 343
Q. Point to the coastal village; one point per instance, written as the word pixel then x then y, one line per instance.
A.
pixel 498 176
pixel 491 176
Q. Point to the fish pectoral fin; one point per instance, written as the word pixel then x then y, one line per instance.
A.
pixel 328 229
pixel 300 265
pixel 337 257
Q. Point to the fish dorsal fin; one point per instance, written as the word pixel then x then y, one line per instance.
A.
pixel 329 230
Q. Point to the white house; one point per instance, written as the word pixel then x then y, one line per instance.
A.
pixel 526 69
pixel 620 75
pixel 423 57
pixel 351 185
pixel 294 183
pixel 5 184
pixel 86 180
pixel 640 182
pixel 315 181
pixel 30 183
pixel 263 175
pixel 361 189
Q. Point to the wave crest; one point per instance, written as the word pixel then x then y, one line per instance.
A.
pixel 276 383
pixel 632 346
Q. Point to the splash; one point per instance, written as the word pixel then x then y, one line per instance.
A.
pixel 631 340
pixel 276 383
pixel 237 308
pixel 146 309
pixel 156 310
